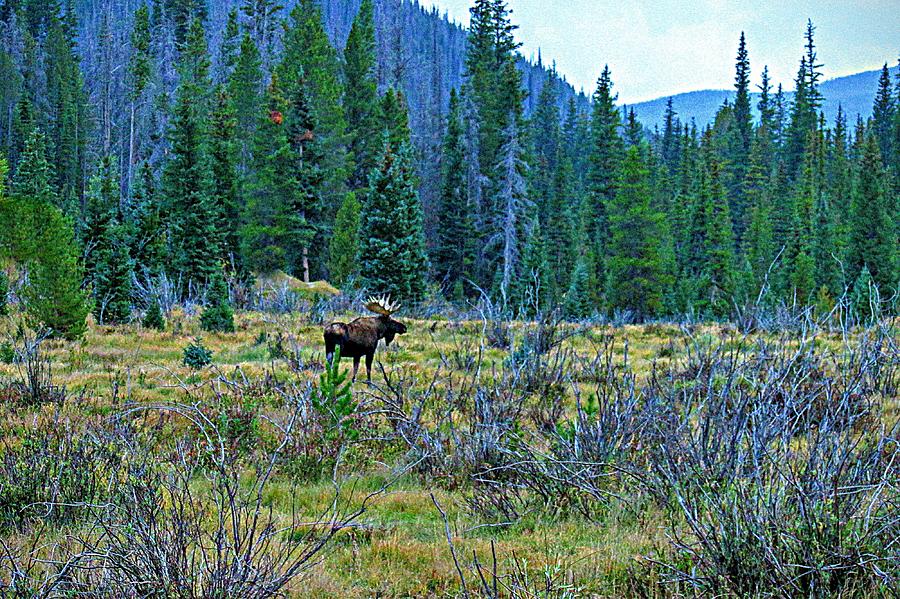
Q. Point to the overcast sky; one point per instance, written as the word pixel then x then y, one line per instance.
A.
pixel 666 47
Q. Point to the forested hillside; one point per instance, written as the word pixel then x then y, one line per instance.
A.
pixel 854 95
pixel 191 147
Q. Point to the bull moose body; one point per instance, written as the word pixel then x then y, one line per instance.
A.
pixel 360 338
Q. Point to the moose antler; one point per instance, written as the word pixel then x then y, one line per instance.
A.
pixel 382 305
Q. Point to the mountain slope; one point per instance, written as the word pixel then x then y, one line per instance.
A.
pixel 855 93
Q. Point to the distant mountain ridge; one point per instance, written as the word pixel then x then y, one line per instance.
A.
pixel 854 93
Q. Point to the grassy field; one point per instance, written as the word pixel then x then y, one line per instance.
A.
pixel 399 546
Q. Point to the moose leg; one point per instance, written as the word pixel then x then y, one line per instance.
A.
pixel 369 358
pixel 329 352
pixel 355 366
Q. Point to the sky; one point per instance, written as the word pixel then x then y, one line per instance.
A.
pixel 665 47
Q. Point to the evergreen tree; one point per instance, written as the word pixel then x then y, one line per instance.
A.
pixel 395 118
pixel 883 116
pixel 147 234
pixel 344 246
pixel 718 250
pixel 140 70
pixel 392 246
pixel 579 302
pixel 244 89
pixel 636 277
pixel 34 175
pixel 108 265
pixel 605 152
pixel 310 61
pixel 512 201
pixel 229 51
pixel 271 190
pixel 531 291
pixel 223 154
pixel 454 254
pixel 187 181
pixel 361 99
pixel 873 230
pixel 217 317
pixel 154 318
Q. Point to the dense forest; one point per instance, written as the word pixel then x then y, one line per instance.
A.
pixel 205 146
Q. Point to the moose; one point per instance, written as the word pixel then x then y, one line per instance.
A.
pixel 360 337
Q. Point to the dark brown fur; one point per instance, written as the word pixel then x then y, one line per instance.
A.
pixel 360 338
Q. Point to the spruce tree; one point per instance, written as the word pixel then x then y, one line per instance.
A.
pixel 344 247
pixel 361 98
pixel 605 152
pixel 873 229
pixel 145 224
pixel 883 116
pixel 310 61
pixel 218 316
pixel 245 91
pixel 188 178
pixel 53 297
pixel 635 272
pixel 392 246
pixel 454 254
pixel 718 247
pixel 579 299
pixel 224 156
pixel 271 190
pixel 154 318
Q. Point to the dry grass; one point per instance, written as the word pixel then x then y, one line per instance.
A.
pixel 399 548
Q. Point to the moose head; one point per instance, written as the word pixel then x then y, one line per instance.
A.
pixel 385 310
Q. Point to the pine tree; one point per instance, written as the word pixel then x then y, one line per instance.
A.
pixel 217 317
pixel 344 247
pixel 147 234
pixel 635 273
pixel 140 70
pixel 361 98
pixel 740 135
pixel 271 189
pixel 108 265
pixel 392 246
pixel 807 101
pixel 454 254
pixel 244 89
pixel 154 318
pixel 883 116
pixel 223 154
pixel 579 302
pixel 873 230
pixel 229 51
pixel 718 250
pixel 187 181
pixel 532 288
pixel 53 297
pixel 34 176
pixel 310 61
pixel 307 224
pixel 395 118
pixel 605 152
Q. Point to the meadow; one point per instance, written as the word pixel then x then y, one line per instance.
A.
pixel 487 459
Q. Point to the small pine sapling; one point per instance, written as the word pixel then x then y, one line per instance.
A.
pixel 333 398
pixel 154 318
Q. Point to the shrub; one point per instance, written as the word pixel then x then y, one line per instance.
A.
pixel 154 318
pixel 52 474
pixel 196 356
